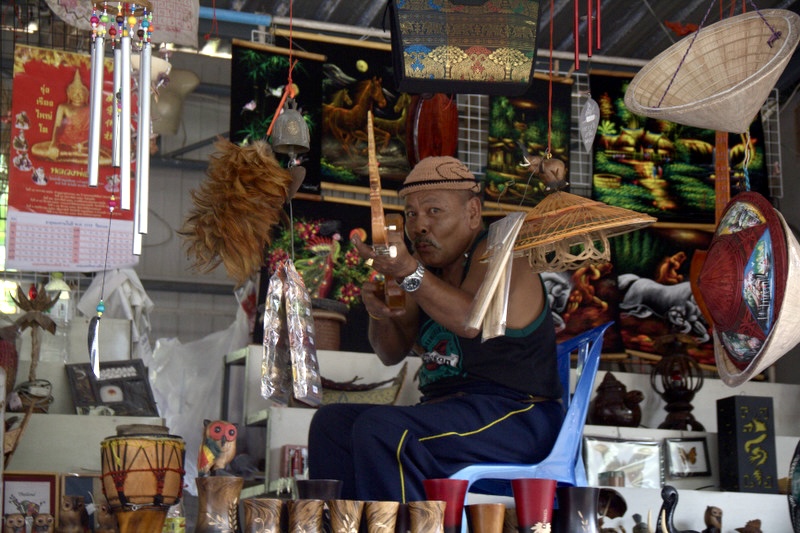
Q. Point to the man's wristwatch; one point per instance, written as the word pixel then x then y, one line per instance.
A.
pixel 412 282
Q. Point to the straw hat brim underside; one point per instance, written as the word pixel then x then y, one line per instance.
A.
pixel 562 217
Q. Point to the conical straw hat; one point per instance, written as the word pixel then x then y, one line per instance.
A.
pixel 726 76
pixel 750 281
pixel 565 231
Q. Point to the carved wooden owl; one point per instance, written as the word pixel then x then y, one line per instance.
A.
pixel 14 523
pixel 43 523
pixel 72 517
pixel 218 447
pixel 106 519
pixel 713 519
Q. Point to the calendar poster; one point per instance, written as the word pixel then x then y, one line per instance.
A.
pixel 56 221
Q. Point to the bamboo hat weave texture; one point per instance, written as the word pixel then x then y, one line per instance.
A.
pixel 726 76
pixel 750 281
pixel 562 222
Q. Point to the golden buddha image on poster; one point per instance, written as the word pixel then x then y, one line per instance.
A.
pixel 70 138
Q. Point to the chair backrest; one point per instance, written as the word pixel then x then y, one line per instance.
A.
pixel 569 443
pixel 582 342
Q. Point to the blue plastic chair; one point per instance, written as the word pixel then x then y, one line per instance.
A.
pixel 565 461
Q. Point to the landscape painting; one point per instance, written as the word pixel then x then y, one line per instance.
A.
pixel 522 127
pixel 662 168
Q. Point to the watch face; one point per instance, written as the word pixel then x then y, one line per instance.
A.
pixel 411 283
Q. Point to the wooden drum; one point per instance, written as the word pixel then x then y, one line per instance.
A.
pixel 142 471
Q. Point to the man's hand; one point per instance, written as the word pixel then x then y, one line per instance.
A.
pixel 392 267
pixel 373 297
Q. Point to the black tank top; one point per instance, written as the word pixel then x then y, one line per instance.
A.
pixel 520 363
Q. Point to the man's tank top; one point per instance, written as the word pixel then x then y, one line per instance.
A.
pixel 520 363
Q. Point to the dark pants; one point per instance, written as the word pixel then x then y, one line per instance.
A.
pixel 383 452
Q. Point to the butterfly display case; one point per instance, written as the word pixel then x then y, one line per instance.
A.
pixel 687 457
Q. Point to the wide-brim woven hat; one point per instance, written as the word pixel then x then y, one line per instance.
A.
pixel 726 76
pixel 749 282
pixel 565 231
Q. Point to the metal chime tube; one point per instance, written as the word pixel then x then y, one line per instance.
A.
pixel 137 238
pixel 125 122
pixel 116 154
pixel 143 140
pixel 96 109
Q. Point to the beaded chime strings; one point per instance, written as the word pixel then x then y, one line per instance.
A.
pixel 130 19
pixel 94 323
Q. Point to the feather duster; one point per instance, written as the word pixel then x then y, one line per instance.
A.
pixel 235 209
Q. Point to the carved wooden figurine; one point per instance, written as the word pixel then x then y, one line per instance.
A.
pixel 664 525
pixel 72 517
pixel 713 520
pixel 218 447
pixel 43 523
pixel 14 523
pixel 614 405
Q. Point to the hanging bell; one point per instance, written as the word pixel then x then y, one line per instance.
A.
pixel 290 133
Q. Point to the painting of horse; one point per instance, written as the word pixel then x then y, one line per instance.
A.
pixel 357 76
pixel 348 124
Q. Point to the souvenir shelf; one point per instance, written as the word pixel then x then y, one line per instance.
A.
pixel 289 426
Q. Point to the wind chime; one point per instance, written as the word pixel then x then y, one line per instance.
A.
pixel 129 28
pixel 590 113
pixel 288 131
pixel 592 28
pixel 129 20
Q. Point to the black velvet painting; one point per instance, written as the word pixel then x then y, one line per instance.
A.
pixel 357 77
pixel 258 76
pixel 662 168
pixel 523 122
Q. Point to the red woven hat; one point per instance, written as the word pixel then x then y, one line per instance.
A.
pixel 751 265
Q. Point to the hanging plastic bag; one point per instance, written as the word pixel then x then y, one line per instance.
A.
pixel 276 378
pixel 307 383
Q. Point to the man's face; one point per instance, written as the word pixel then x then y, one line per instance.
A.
pixel 439 225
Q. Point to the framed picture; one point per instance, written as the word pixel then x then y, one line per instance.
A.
pixel 30 494
pixel 663 168
pixel 639 462
pixel 356 76
pixel 687 457
pixel 519 129
pixel 294 458
pixel 122 389
pixel 652 266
